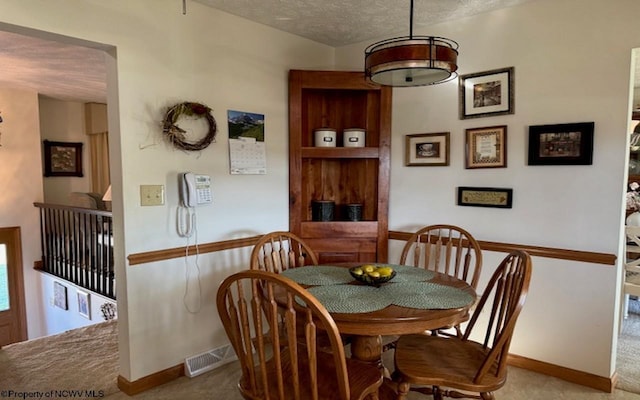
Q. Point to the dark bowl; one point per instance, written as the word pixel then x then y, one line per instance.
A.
pixel 370 280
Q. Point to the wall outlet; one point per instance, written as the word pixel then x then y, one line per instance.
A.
pixel 151 195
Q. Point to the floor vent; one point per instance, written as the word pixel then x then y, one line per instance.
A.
pixel 201 363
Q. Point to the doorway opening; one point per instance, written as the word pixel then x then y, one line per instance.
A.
pixel 627 362
pixel 13 319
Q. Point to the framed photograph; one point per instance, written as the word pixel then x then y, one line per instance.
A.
pixel 561 144
pixel 427 149
pixel 485 197
pixel 486 147
pixel 487 94
pixel 84 306
pixel 62 158
pixel 60 295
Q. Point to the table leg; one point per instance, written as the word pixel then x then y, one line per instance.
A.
pixel 369 349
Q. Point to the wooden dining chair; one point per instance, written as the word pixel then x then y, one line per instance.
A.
pixel 281 250
pixel 248 304
pixel 447 249
pixel 428 364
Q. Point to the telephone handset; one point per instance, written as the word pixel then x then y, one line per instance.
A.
pixel 195 189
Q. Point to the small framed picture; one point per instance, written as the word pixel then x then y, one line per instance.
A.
pixel 486 147
pixel 60 295
pixel 485 197
pixel 487 94
pixel 62 158
pixel 84 305
pixel 561 144
pixel 427 149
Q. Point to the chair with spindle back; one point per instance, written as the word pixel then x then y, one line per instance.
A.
pixel 447 249
pixel 249 305
pixel 281 250
pixel 427 364
pixel 278 251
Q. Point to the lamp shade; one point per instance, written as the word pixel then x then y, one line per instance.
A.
pixel 412 61
pixel 107 194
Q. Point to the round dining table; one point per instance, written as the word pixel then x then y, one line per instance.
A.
pixel 414 301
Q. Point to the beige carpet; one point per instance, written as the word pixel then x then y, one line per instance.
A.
pixel 628 364
pixel 34 365
pixel 51 363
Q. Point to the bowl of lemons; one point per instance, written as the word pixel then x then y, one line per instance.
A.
pixel 372 274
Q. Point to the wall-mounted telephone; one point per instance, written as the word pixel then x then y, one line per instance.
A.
pixel 195 189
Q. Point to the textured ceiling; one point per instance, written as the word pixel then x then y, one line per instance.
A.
pixel 65 72
pixel 340 22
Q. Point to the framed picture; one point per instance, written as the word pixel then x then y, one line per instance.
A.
pixel 486 147
pixel 561 144
pixel 487 94
pixel 427 149
pixel 62 158
pixel 84 306
pixel 485 197
pixel 60 295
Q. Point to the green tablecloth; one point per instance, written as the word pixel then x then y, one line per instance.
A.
pixel 409 288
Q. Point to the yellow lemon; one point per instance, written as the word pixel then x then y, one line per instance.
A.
pixel 357 271
pixel 374 274
pixel 385 271
pixel 368 268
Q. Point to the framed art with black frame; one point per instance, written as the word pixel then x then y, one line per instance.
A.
pixel 485 197
pixel 62 158
pixel 487 94
pixel 427 149
pixel 561 144
pixel 486 147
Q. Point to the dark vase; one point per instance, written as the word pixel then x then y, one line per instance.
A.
pixel 322 210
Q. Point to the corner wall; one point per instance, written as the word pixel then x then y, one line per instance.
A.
pixel 572 64
pixel 64 121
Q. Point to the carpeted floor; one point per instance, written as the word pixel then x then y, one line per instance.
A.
pixel 34 367
pixel 628 364
pixel 220 384
pixel 52 363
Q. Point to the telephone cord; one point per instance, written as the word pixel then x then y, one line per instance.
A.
pixel 194 228
pixel 185 221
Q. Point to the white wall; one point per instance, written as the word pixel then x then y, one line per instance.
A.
pixel 64 121
pixel 572 64
pixel 58 320
pixel 163 58
pixel 21 178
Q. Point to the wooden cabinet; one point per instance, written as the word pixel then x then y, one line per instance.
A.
pixel 339 100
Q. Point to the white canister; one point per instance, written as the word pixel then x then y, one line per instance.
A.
pixel 353 137
pixel 325 137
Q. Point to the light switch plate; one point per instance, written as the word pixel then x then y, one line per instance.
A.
pixel 151 195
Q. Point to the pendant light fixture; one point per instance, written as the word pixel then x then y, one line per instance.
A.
pixel 411 60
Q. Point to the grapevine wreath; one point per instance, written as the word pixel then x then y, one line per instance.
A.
pixel 176 135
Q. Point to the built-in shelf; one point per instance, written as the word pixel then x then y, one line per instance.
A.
pixel 344 175
pixel 340 152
